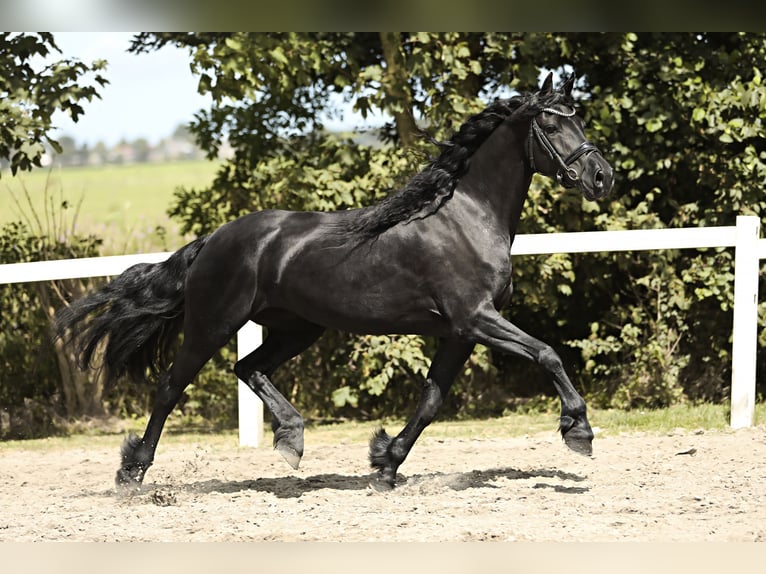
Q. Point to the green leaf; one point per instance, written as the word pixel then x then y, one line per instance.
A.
pixel 736 122
pixel 235 44
pixel 653 125
pixel 278 54
pixel 344 396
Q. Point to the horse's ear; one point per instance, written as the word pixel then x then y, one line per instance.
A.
pixel 569 84
pixel 547 86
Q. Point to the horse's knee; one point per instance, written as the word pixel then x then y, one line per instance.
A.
pixel 549 359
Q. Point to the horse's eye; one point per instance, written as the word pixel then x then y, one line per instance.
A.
pixel 550 129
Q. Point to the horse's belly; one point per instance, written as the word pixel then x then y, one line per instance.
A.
pixel 370 313
pixel 375 302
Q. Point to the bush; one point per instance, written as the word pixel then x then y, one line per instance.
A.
pixel 30 364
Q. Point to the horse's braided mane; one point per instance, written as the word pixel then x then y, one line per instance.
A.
pixel 429 189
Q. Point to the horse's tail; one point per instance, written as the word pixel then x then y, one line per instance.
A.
pixel 139 313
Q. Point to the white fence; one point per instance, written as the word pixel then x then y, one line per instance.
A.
pixel 744 237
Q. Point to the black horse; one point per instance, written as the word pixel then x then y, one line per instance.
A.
pixel 433 258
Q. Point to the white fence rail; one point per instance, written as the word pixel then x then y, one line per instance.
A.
pixel 744 237
pixel 749 250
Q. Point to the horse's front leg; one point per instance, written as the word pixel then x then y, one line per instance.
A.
pixel 256 368
pixel 387 453
pixel 491 329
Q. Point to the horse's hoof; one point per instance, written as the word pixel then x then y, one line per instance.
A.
pixel 288 440
pixel 380 484
pixel 577 434
pixel 580 445
pixel 128 479
pixel 292 456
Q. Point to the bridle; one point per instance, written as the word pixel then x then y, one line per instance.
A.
pixel 566 175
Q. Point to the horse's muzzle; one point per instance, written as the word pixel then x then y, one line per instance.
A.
pixel 597 178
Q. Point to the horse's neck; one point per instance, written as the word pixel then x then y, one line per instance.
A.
pixel 498 177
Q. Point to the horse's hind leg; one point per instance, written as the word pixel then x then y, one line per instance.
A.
pixel 256 368
pixel 386 453
pixel 138 453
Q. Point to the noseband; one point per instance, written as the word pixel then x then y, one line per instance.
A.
pixel 566 175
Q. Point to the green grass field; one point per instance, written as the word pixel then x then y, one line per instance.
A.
pixel 123 204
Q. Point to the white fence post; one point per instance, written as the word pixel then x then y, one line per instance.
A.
pixel 745 330
pixel 250 406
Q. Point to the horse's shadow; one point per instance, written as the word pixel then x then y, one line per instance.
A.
pixel 295 487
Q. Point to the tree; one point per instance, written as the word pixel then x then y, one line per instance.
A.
pixel 681 116
pixel 39 379
pixel 684 117
pixel 31 92
pixel 271 96
pixel 273 92
pixel 141 149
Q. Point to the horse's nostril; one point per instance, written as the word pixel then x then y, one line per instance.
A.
pixel 599 178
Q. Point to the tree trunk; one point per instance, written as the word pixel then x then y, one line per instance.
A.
pixel 396 84
pixel 82 390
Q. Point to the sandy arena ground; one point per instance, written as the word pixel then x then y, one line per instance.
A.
pixel 687 486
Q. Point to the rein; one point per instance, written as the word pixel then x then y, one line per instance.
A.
pixel 566 175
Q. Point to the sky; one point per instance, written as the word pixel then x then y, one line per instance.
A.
pixel 148 95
